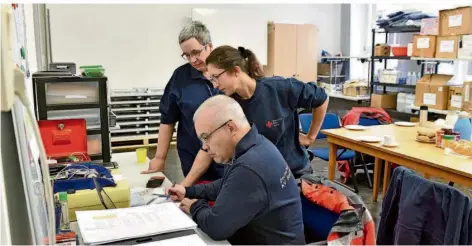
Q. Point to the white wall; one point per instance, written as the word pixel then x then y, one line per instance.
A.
pixel 130 39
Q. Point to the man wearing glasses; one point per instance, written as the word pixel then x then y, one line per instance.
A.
pixel 188 87
pixel 257 200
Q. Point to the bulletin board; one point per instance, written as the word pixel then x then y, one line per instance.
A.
pixel 20 53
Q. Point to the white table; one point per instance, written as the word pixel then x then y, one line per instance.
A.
pixel 131 170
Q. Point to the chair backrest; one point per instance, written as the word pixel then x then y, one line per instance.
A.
pixel 305 122
pixel 368 122
pixel 331 121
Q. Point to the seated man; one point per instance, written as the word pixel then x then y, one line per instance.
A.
pixel 257 200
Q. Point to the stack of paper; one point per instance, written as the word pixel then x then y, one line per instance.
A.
pixel 104 226
pixel 190 240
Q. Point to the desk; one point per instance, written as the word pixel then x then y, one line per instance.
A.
pixel 425 158
pixel 132 172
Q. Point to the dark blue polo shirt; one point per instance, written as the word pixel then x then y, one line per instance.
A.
pixel 257 200
pixel 186 90
pixel 273 109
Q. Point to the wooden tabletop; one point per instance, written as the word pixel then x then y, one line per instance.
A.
pixel 409 148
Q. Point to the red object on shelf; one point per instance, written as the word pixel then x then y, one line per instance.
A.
pixel 400 51
pixel 62 138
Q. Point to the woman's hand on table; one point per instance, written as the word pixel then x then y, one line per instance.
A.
pixel 155 165
pixel 176 192
pixel 186 204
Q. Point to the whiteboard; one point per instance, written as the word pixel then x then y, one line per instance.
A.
pixel 236 27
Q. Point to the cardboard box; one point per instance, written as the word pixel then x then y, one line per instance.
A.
pixel 447 47
pixel 465 47
pixel 467 97
pixel 456 21
pixel 424 46
pixel 324 69
pixel 432 91
pixel 429 26
pixel 354 91
pixel 455 98
pixel 384 101
pixel 382 50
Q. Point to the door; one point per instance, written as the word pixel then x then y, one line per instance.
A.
pixel 284 50
pixel 307 52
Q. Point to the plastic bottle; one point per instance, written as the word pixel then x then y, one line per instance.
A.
pixel 423 115
pixel 65 222
pixel 463 126
pixel 414 78
pixel 409 78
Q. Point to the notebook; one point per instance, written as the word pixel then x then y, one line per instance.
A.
pixel 112 225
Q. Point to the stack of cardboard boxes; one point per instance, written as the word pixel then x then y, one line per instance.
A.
pixel 450 37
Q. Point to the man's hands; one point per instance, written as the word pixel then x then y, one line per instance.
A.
pixel 305 140
pixel 176 192
pixel 186 203
pixel 155 165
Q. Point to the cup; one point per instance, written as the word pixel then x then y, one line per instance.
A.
pixel 141 154
pixel 389 140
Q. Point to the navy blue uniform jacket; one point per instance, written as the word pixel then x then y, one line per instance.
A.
pixel 273 109
pixel 417 211
pixel 184 93
pixel 257 200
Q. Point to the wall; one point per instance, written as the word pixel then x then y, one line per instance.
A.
pixel 137 44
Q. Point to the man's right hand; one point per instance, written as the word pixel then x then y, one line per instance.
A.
pixel 176 192
pixel 155 165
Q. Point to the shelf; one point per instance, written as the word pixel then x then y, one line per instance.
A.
pixel 392 57
pixel 135 94
pixel 327 76
pixel 135 109
pixel 137 130
pixel 93 132
pixel 69 106
pixel 140 122
pixel 400 29
pixel 349 98
pixel 439 59
pixel 134 102
pixel 430 110
pixel 394 85
pixel 127 116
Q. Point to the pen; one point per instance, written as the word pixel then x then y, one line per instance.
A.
pixel 168 195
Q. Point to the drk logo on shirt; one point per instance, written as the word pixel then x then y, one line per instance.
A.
pixel 273 123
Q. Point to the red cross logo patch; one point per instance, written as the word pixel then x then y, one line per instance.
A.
pixel 269 124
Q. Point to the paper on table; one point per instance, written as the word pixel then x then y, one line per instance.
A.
pixel 102 226
pixel 190 240
pixel 159 191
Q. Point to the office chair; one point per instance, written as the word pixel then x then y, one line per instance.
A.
pixel 331 121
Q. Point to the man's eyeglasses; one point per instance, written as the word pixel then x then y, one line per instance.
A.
pixel 193 53
pixel 204 137
pixel 214 78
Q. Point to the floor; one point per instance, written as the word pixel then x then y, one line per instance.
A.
pixel 174 172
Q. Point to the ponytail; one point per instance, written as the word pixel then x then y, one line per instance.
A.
pixel 252 65
pixel 226 57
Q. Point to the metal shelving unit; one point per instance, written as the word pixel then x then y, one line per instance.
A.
pixel 42 108
pixel 137 114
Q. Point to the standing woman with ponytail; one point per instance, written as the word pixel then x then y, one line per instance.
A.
pixel 270 103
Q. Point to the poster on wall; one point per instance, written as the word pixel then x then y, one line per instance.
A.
pixel 20 56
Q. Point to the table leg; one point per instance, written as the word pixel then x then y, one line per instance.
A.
pixel 386 181
pixel 377 168
pixel 333 149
